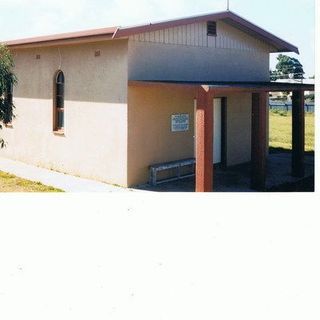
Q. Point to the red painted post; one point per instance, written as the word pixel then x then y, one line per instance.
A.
pixel 298 133
pixel 204 141
pixel 259 141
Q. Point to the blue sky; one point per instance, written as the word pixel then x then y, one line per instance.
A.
pixel 291 20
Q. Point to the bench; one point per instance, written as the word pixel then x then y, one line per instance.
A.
pixel 178 164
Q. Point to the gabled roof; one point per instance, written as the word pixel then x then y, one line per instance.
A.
pixel 226 16
pixel 117 32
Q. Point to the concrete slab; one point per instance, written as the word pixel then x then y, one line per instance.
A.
pixel 55 179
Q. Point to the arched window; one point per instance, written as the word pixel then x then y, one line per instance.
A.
pixel 59 102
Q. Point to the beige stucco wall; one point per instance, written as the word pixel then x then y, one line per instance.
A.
pixel 95 141
pixel 112 132
pixel 150 139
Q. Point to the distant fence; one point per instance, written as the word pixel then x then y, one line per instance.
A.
pixel 287 106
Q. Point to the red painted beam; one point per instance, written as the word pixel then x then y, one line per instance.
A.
pixel 204 141
pixel 258 141
pixel 298 133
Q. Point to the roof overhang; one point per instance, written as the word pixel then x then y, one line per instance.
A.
pixel 228 17
pixel 223 86
pixel 64 38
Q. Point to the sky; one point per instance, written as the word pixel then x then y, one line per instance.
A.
pixel 291 20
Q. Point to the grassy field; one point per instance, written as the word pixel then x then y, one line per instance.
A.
pixel 280 130
pixel 11 183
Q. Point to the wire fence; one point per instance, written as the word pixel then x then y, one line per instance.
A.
pixel 287 106
pixel 296 77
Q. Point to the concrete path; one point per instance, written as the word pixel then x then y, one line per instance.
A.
pixel 55 179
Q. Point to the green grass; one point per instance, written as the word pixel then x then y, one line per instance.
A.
pixel 11 183
pixel 281 132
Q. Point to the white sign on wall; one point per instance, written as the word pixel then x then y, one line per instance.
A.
pixel 180 122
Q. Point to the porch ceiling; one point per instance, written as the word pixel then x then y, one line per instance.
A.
pixel 232 86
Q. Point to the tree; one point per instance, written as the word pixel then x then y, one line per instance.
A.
pixel 274 75
pixel 309 97
pixel 7 81
pixel 288 68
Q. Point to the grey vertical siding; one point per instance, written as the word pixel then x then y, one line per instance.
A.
pixel 196 35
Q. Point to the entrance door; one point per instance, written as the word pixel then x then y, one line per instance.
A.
pixel 217 122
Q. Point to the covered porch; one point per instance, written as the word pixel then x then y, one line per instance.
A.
pixel 206 175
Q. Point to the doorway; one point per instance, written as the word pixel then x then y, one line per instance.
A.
pixel 219 133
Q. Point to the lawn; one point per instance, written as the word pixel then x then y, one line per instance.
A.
pixel 11 183
pixel 280 130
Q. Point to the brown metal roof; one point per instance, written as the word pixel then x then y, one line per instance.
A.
pixel 53 39
pixel 115 32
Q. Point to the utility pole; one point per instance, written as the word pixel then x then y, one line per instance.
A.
pixel 228 5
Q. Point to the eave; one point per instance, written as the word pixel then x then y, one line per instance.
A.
pixel 227 86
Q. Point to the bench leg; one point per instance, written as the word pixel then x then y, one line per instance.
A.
pixel 153 177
